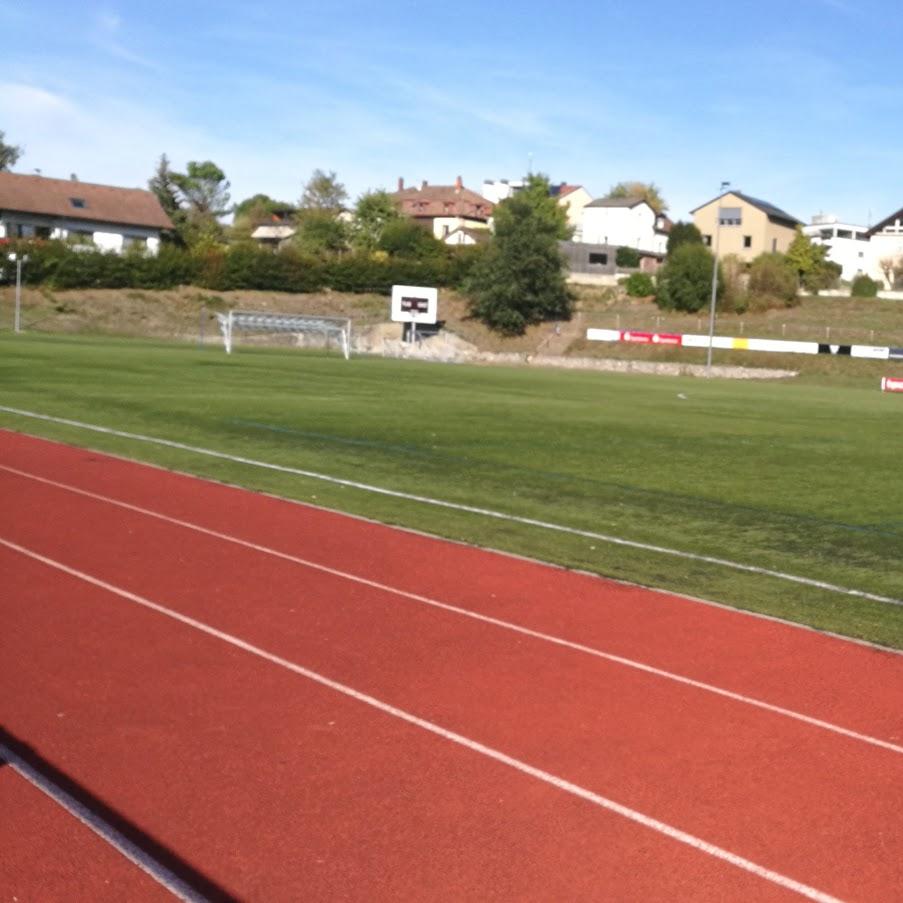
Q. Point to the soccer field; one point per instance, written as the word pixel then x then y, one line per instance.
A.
pixel 780 477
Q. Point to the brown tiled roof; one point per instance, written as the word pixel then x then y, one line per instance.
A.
pixel 99 203
pixel 442 200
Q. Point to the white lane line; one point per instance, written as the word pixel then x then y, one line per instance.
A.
pixel 546 777
pixel 469 613
pixel 458 506
pixel 103 829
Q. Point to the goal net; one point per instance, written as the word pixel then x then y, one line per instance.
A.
pixel 244 321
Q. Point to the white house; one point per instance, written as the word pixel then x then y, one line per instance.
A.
pixel 625 222
pixel 848 245
pixel 112 218
pixel 886 240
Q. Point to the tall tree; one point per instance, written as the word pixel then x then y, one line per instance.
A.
pixel 536 193
pixel 646 191
pixel 163 185
pixel 9 153
pixel 520 280
pixel 373 211
pixel 204 188
pixel 323 191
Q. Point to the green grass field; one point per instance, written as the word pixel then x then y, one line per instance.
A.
pixel 799 478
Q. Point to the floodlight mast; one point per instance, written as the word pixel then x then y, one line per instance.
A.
pixel 708 356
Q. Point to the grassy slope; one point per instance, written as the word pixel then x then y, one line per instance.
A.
pixel 794 477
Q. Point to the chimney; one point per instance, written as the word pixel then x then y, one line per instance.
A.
pixel 401 183
pixel 459 184
pixel 73 177
pixel 423 185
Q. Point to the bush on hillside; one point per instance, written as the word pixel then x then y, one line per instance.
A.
pixel 864 287
pixel 772 282
pixel 685 281
pixel 628 258
pixel 639 285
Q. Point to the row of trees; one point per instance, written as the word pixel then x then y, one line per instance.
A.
pixel 771 280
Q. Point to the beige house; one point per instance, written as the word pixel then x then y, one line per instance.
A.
pixel 734 223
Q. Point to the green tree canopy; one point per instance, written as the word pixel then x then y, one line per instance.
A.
pixel 685 281
pixel 9 153
pixel 681 234
pixel 204 189
pixel 520 279
pixel 372 213
pixel 405 238
pixel 647 191
pixel 323 191
pixel 320 232
pixel 163 185
pixel 809 261
pixel 536 193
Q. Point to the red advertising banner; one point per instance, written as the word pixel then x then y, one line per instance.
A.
pixel 651 338
pixel 890 384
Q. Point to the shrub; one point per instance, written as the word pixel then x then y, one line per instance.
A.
pixel 772 282
pixel 685 281
pixel 639 285
pixel 683 233
pixel 627 258
pixel 864 287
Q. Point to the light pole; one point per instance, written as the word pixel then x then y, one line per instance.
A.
pixel 708 356
pixel 18 259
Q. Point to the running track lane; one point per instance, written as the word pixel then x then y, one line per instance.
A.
pixel 44 851
pixel 713 757
pixel 800 669
pixel 124 529
pixel 281 789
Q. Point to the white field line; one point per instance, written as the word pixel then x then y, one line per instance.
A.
pixel 467 613
pixel 489 752
pixel 458 506
pixel 103 829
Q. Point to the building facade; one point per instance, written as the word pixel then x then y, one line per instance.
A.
pixel 886 258
pixel 625 222
pixel 848 245
pixel 443 209
pixel 735 223
pixel 111 218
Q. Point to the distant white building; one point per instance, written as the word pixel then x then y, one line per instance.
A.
pixel 497 190
pixel 886 240
pixel 848 245
pixel 112 218
pixel 625 222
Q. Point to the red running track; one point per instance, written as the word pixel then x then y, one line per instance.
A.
pixel 275 786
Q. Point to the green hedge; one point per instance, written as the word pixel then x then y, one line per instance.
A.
pixel 239 267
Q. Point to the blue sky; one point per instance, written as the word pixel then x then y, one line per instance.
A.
pixel 798 102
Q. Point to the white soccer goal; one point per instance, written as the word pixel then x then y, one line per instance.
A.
pixel 297 324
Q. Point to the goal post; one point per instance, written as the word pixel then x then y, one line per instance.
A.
pixel 298 324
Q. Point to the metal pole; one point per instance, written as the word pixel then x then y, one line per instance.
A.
pixel 708 356
pixel 18 318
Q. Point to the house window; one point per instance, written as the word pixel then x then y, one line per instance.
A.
pixel 844 233
pixel 42 231
pixel 747 241
pixel 707 240
pixel 598 258
pixel 78 202
pixel 730 216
